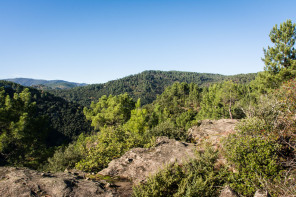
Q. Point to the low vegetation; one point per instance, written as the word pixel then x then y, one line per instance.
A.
pixel 198 177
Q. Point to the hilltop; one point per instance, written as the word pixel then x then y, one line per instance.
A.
pixel 146 85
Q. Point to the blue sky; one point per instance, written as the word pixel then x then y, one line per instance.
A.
pixel 97 41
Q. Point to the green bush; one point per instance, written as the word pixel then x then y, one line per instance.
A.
pixel 198 177
pixel 253 126
pixel 254 158
pixel 168 129
pixel 184 120
pixel 93 153
pixel 66 157
pixel 101 148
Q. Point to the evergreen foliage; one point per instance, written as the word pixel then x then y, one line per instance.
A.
pixel 221 101
pixel 65 121
pixel 110 111
pixel 169 129
pixel 122 125
pixel 65 157
pixel 280 59
pixel 283 54
pixel 198 177
pixel 263 151
pixel 175 100
pixel 255 159
pixel 260 155
pixel 146 85
pixel 22 133
pixel 45 84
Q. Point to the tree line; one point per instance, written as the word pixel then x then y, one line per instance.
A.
pixel 146 85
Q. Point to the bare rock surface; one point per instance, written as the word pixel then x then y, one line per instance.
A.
pixel 228 192
pixel 212 130
pixel 138 163
pixel 21 182
pixel 261 193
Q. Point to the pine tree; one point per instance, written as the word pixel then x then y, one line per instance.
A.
pixel 110 111
pixel 22 133
pixel 280 59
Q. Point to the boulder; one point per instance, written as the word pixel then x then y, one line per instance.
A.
pixel 138 163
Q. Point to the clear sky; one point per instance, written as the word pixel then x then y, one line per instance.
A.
pixel 94 41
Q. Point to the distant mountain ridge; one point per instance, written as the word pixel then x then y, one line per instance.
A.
pixel 45 84
pixel 145 85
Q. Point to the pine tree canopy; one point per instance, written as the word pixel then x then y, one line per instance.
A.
pixel 281 58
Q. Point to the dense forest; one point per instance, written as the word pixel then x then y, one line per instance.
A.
pixel 145 85
pixel 45 84
pixel 87 127
pixel 25 110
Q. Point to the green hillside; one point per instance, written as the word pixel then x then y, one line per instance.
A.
pixel 45 84
pixel 146 85
pixel 65 119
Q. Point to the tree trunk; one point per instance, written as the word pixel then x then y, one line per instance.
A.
pixel 230 114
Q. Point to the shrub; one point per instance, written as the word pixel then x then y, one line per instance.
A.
pixel 67 157
pixel 254 158
pixel 185 119
pixel 198 177
pixel 101 148
pixel 168 129
pixel 63 158
pixel 253 126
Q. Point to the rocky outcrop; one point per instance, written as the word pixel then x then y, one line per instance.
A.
pixel 138 163
pixel 23 182
pixel 212 130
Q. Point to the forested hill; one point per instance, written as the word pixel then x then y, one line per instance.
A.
pixel 146 85
pixel 65 120
pixel 45 84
